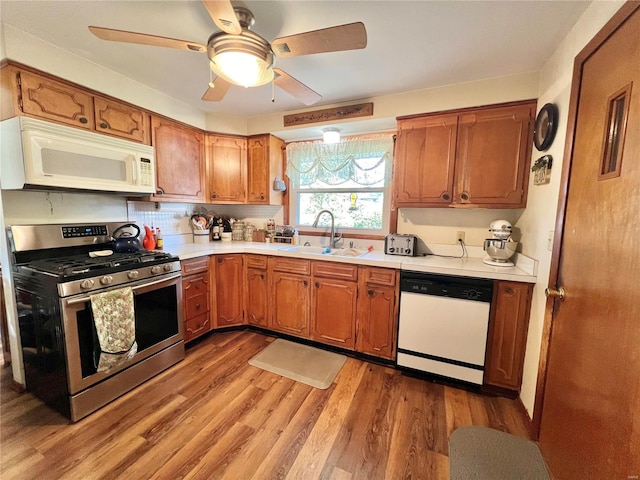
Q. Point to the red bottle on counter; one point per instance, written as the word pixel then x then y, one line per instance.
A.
pixel 149 241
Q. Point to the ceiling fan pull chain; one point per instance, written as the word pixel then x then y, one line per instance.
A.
pixel 273 91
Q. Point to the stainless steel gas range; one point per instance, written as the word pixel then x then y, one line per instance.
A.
pixel 57 270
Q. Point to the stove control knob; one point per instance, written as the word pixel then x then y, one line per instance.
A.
pixel 106 280
pixel 156 269
pixel 133 274
pixel 167 267
pixel 86 284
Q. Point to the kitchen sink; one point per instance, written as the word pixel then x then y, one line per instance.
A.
pixel 337 252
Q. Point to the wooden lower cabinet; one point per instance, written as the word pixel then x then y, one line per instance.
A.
pixel 195 296
pixel 377 316
pixel 333 304
pixel 256 292
pixel 289 296
pixel 229 286
pixel 507 337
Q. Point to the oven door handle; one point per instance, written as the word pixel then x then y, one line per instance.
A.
pixel 86 298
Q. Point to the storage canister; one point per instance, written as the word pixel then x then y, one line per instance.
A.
pixel 237 232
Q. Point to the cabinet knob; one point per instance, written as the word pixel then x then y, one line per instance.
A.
pixel 219 260
pixel 445 196
pixel 104 125
pixel 370 292
pixel 305 283
pixel 197 286
pixel 317 285
pixel 214 195
pixel 464 196
pixel 83 120
pixel 262 196
pixel 159 191
pixel 197 306
pixel 262 276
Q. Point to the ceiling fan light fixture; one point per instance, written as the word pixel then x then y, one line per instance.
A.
pixel 245 59
pixel 331 135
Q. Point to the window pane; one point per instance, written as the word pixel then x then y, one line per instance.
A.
pixel 351 210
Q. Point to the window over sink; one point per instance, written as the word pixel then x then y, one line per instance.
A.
pixel 350 178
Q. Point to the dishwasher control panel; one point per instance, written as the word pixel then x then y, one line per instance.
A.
pixel 478 290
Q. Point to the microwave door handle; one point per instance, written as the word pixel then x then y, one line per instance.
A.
pixel 86 298
pixel 135 164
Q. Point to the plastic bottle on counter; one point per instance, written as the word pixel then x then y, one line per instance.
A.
pixel 296 238
pixel 159 240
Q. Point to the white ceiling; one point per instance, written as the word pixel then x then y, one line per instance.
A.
pixel 412 45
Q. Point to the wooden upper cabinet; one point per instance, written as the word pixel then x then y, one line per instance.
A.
pixel 43 97
pixel 180 169
pixel 477 157
pixel 425 153
pixel 264 158
pixel 121 120
pixel 494 152
pixel 226 169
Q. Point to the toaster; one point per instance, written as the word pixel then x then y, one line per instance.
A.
pixel 400 244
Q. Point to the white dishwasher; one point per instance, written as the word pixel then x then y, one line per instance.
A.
pixel 443 325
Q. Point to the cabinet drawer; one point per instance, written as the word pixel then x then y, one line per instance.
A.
pixel 195 265
pixel 195 285
pixel 290 265
pixel 379 276
pixel 335 270
pixel 196 305
pixel 196 326
pixel 257 261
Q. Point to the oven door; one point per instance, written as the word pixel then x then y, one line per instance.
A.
pixel 158 323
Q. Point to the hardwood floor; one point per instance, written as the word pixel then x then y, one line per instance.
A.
pixel 213 416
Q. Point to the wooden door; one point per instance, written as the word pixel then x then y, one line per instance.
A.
pixel 333 312
pixel 179 155
pixel 229 290
pixel 121 120
pixel 493 156
pixel 226 169
pixel 289 308
pixel 590 424
pixel 46 98
pixel 256 296
pixel 425 155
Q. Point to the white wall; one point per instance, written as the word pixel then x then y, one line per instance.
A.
pixel 540 215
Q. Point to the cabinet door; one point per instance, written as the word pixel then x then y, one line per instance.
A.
pixel 229 283
pixel 46 98
pixel 256 296
pixel 289 307
pixel 264 158
pixel 121 120
pixel 508 334
pixel 377 321
pixel 424 161
pixel 226 169
pixel 333 312
pixel 494 149
pixel 180 170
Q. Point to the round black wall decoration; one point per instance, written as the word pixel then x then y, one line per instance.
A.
pixel 545 126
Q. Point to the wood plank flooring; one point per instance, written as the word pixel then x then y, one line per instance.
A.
pixel 213 416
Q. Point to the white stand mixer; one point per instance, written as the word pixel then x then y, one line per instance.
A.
pixel 500 248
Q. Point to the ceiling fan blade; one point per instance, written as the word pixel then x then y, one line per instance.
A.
pixel 144 39
pixel 223 16
pixel 351 36
pixel 216 92
pixel 295 88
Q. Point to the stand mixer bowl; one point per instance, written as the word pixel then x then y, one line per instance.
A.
pixel 499 250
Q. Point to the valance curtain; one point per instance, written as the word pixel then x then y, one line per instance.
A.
pixel 364 161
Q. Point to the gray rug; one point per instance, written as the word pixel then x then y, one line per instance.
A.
pixel 481 453
pixel 301 363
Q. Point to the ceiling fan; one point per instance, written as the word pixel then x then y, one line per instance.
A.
pixel 241 57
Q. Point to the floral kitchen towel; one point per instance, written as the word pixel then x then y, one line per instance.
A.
pixel 114 318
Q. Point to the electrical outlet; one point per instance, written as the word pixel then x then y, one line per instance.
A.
pixel 460 237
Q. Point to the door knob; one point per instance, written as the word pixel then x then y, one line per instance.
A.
pixel 555 293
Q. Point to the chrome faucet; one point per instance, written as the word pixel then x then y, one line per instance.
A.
pixel 332 239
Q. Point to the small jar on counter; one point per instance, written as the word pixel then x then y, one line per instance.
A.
pixel 237 231
pixel 248 232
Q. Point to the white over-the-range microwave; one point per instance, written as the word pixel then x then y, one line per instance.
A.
pixel 43 155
